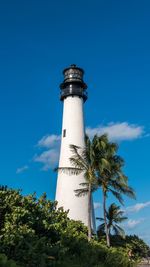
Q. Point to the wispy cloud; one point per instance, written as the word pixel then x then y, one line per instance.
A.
pixel 48 158
pixel 131 224
pixel 48 141
pixel 117 131
pixel 22 169
pixel 137 207
pixel 50 145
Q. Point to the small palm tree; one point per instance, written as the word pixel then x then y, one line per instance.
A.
pixel 114 217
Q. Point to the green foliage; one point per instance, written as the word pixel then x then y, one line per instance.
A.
pixel 94 254
pixel 137 247
pixel 114 216
pixel 30 228
pixel 34 233
pixel 4 262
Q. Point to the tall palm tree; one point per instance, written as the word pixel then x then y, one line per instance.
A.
pixel 111 178
pixel 114 217
pixel 83 160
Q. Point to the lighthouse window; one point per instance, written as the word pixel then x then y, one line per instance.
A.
pixel 64 133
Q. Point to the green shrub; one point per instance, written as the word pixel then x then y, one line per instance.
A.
pixel 35 234
pixel 4 262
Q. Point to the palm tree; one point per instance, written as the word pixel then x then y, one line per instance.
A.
pixel 83 160
pixel 114 217
pixel 111 178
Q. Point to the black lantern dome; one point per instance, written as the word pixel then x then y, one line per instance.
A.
pixel 73 84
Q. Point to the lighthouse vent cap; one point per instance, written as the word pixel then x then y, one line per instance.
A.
pixel 73 73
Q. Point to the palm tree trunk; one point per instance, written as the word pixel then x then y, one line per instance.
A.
pixel 89 213
pixel 105 220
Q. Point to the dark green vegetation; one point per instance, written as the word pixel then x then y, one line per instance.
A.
pixel 137 247
pixel 34 234
pixel 4 262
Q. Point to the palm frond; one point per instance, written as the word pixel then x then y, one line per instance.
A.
pixel 117 195
pixel 70 170
pixel 100 219
pixel 81 192
pixel 101 227
pixel 77 163
pixel 121 219
pixel 78 156
pixel 84 184
pixel 128 191
pixel 118 230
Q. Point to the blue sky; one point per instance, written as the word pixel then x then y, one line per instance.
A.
pixel 110 40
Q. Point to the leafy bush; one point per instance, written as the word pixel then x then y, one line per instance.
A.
pixel 34 233
pixel 4 262
pixel 137 247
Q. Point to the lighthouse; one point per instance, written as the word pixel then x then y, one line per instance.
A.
pixel 73 95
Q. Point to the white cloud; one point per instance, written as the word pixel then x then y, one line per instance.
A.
pixel 50 144
pixel 131 224
pixel 48 158
pixel 22 169
pixel 48 141
pixel 137 207
pixel 117 131
pixel 97 205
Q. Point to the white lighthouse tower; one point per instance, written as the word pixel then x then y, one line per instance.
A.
pixel 73 95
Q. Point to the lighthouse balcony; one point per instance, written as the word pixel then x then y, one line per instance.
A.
pixel 73 91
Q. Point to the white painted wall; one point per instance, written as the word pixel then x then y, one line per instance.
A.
pixel 73 123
